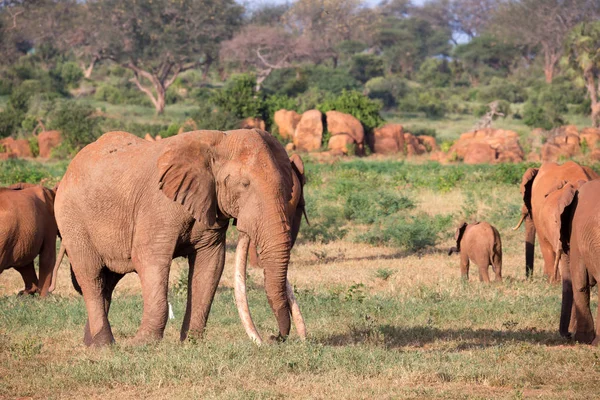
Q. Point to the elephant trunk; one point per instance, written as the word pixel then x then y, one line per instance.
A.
pixel 529 245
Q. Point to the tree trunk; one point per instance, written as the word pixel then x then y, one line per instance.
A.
pixel 551 58
pixel 87 72
pixel 590 84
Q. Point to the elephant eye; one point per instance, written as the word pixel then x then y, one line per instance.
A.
pixel 245 182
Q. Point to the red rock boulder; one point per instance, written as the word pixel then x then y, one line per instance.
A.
pixel 251 123
pixel 286 122
pixel 479 153
pixel 309 132
pixel 339 123
pixel 389 139
pixel 413 146
pixel 47 141
pixel 340 144
pixel 20 147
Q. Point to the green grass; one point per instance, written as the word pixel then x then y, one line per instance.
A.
pixel 490 336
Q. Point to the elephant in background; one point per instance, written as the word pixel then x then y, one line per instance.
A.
pixel 126 204
pixel 295 207
pixel 577 217
pixel 479 242
pixel 538 210
pixel 28 229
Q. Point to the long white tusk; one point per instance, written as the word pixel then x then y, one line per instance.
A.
pixel 241 300
pixel 295 310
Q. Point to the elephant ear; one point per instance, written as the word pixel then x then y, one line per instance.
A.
pixel 526 184
pixel 298 167
pixel 567 201
pixel 458 235
pixel 185 174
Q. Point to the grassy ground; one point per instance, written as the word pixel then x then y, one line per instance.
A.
pixel 386 320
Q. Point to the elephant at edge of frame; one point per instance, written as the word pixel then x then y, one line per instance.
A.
pixel 126 204
pixel 28 229
pixel 577 234
pixel 480 243
pixel 535 185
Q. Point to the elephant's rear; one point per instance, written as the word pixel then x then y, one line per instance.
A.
pixel 88 205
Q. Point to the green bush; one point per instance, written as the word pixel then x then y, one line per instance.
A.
pixel 209 117
pixel 239 97
pixel 502 89
pixel 367 206
pixel 108 93
pixel 10 120
pixel 435 72
pixel 133 127
pixel 388 90
pixel 273 104
pixel 420 131
pixel 331 80
pixel 78 124
pixel 412 233
pixel 366 66
pixel 358 105
pixel 503 107
pixel 70 73
pixel 325 226
pixel 431 104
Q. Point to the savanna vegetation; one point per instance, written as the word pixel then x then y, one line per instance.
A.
pixel 387 313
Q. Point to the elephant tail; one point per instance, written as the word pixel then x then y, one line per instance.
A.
pixel 75 283
pixel 61 255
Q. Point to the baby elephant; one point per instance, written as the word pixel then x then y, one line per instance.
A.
pixel 28 229
pixel 479 242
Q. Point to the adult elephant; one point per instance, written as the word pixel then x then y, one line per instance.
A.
pixel 126 205
pixel 28 229
pixel 577 216
pixel 538 210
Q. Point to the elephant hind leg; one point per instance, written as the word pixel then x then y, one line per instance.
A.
pixel 483 273
pixel 464 265
pixel 89 274
pixel 29 279
pixel 154 276
pixel 109 281
pixel 497 266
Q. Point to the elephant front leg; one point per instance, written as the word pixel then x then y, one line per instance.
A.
pixel 29 279
pixel 206 268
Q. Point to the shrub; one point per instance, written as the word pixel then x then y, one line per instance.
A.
pixel 209 117
pixel 78 124
pixel 108 93
pixel 369 205
pixel 412 233
pixel 239 97
pixel 503 107
pixel 10 120
pixel 357 105
pixel 325 225
pixel 331 80
pixel 435 72
pixel 502 89
pixel 34 146
pixel 431 105
pixel 70 73
pixel 420 131
pixel 273 104
pixel 366 66
pixel 388 90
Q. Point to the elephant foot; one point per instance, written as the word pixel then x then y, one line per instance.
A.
pixel 596 341
pixel 277 338
pixel 29 292
pixel 102 338
pixel 145 337
pixel 566 335
pixel 585 337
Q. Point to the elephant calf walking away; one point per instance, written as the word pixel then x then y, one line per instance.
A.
pixel 479 242
pixel 28 229
pixel 126 204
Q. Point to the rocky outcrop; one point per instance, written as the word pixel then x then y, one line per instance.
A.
pixel 339 123
pixel 309 132
pixel 389 139
pixel 341 144
pixel 286 122
pixel 251 123
pixel 19 147
pixel 48 141
pixel 487 146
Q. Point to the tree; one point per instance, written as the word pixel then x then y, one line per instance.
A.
pixel 544 24
pixel 266 49
pixel 583 55
pixel 159 39
pixel 324 24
